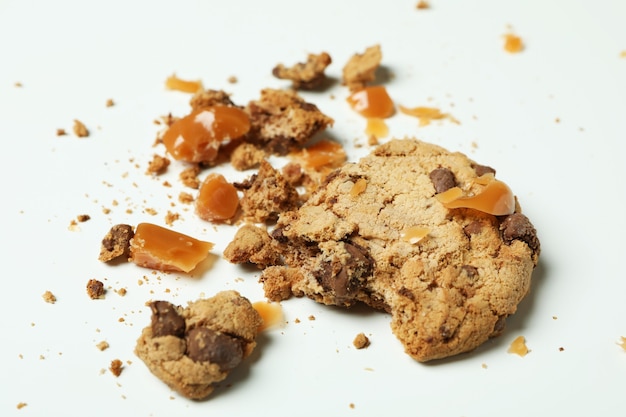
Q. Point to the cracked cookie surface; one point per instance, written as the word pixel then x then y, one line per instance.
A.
pixel 448 289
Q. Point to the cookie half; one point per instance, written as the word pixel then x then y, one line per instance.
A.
pixel 414 230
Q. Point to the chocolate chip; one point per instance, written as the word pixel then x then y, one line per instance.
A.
pixel 346 278
pixel 165 320
pixel 473 228
pixel 207 345
pixel 518 227
pixel 442 179
pixel 483 169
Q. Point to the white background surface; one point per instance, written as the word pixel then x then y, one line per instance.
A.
pixel 71 56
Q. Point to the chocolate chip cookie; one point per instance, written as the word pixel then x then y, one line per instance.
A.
pixel 423 233
pixel 192 348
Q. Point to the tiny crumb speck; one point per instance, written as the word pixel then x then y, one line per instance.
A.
pixel 21 405
pixel 48 297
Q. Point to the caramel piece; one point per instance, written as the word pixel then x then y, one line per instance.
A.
pixel 513 44
pixel 518 346
pixel 425 115
pixel 495 198
pixel 174 83
pixel 415 234
pixel 358 188
pixel 197 137
pixel 376 127
pixel 217 199
pixel 166 250
pixel 372 102
pixel 271 314
pixel 324 153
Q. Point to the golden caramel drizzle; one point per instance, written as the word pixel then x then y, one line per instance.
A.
pixel 426 115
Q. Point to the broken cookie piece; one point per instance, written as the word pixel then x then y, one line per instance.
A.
pixel 360 69
pixel 193 348
pixel 282 120
pixel 116 243
pixel 307 75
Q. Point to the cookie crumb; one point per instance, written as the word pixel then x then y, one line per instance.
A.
pixel 95 289
pixel 484 366
pixel 232 79
pixel 116 367
pixel 361 341
pixel 80 129
pixel 48 297
pixel 307 75
pixel 121 292
pixel 352 406
pixel 158 165
pixel 518 346
pixel 561 349
pixel 623 342
pixel 110 102
pixel 83 218
pixel 21 405
pixel 422 5
pixel 61 132
pixel 311 317
pixel 116 242
pixel 104 345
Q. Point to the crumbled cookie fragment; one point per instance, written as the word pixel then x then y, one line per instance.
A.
pixel 281 120
pixel 103 345
pixel 48 297
pixel 189 177
pixel 80 129
pixel 361 341
pixel 61 132
pixel 116 367
pixel 246 156
pixel 185 198
pixel 110 102
pixel 95 289
pixel 158 165
pixel 21 405
pixel 266 194
pixel 171 217
pixel 623 342
pixel 422 5
pixel 252 244
pixel 116 243
pixel 193 348
pixel 81 218
pixel 206 98
pixel 361 68
pixel 307 75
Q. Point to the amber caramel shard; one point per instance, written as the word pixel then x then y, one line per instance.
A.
pixel 163 249
pixel 174 83
pixel 513 44
pixel 518 346
pixel 198 136
pixel 495 198
pixel 217 199
pixel 372 102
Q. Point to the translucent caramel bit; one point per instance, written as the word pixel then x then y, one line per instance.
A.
pixel 513 44
pixel 217 199
pixel 376 127
pixel 518 346
pixel 197 137
pixel 495 198
pixel 325 153
pixel 271 314
pixel 414 234
pixel 371 102
pixel 174 83
pixel 359 186
pixel 426 115
pixel 163 249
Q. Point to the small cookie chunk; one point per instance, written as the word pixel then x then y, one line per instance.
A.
pixel 116 243
pixel 193 348
pixel 307 75
pixel 246 156
pixel 378 232
pixel 361 68
pixel 281 120
pixel 252 244
pixel 266 194
pixel 207 98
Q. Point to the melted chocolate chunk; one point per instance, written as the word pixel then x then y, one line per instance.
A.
pixel 443 179
pixel 165 320
pixel 518 227
pixel 346 278
pixel 207 345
